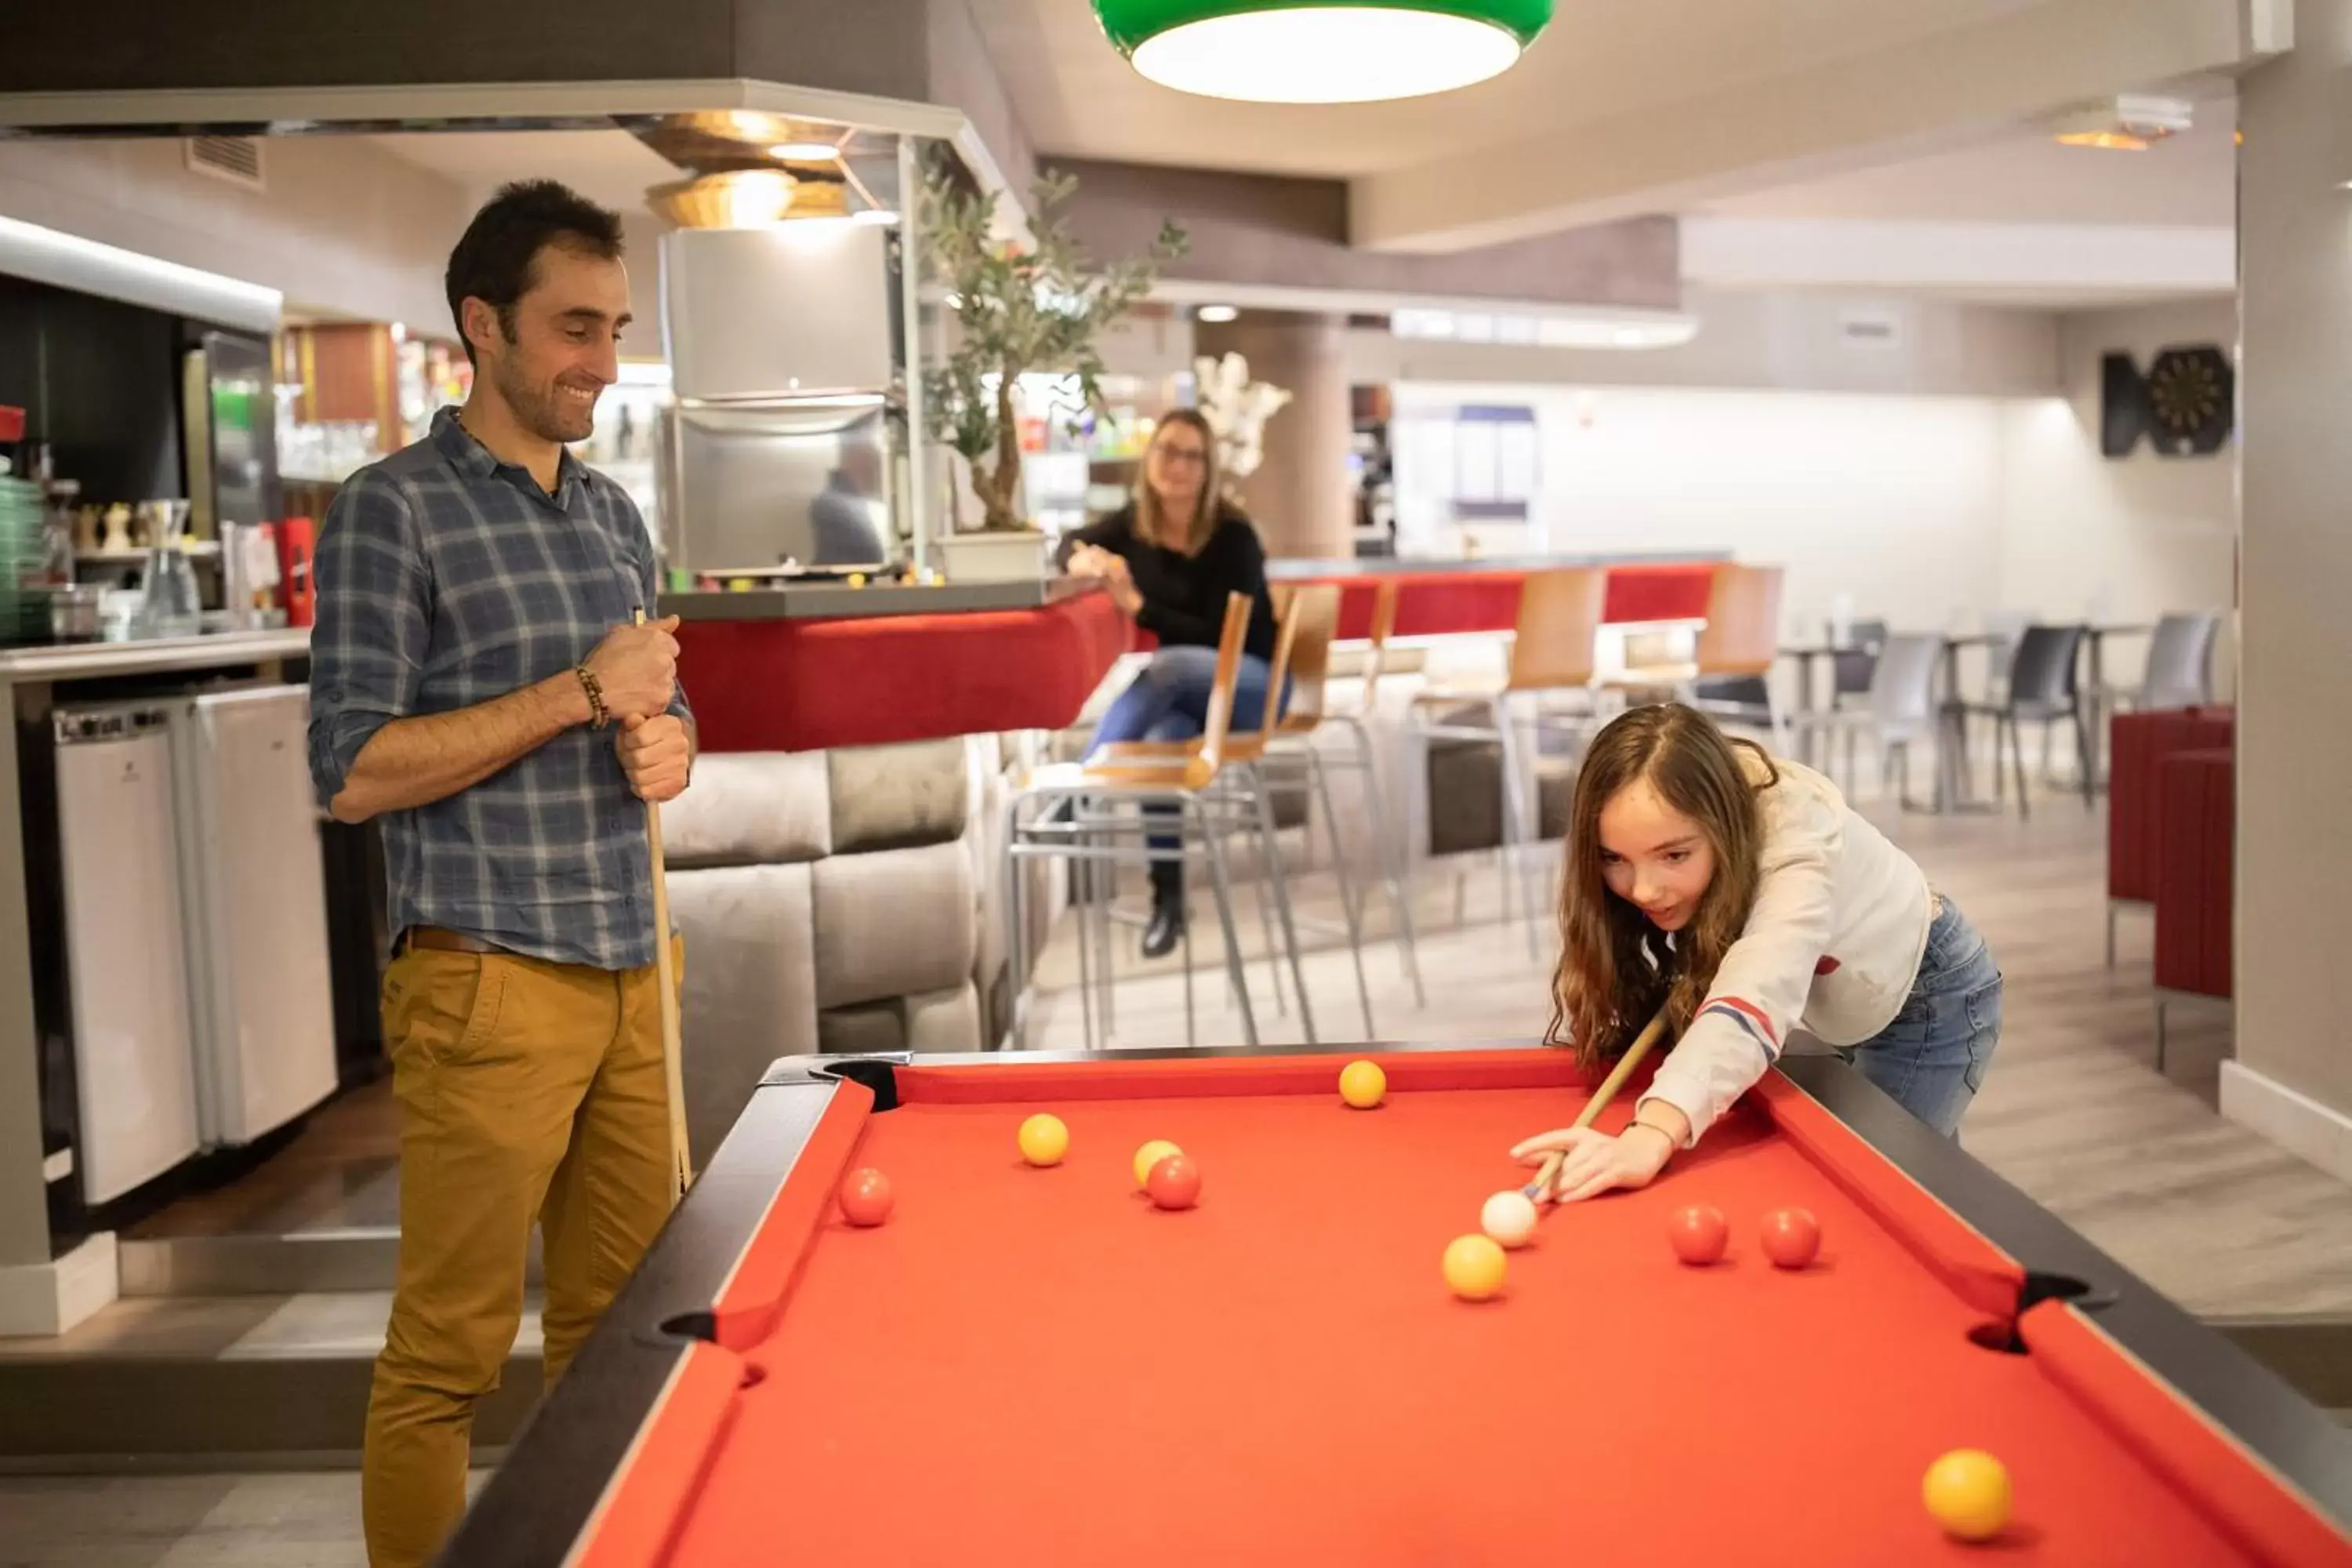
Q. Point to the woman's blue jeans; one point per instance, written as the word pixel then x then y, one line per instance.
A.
pixel 1170 701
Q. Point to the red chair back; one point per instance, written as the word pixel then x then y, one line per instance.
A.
pixel 2197 809
pixel 2138 744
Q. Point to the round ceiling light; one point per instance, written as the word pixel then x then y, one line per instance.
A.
pixel 1322 51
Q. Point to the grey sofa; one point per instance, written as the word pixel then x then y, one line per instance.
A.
pixel 834 902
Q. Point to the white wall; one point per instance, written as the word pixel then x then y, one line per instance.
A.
pixel 2293 1072
pixel 2126 538
pixel 1894 500
pixel 1926 510
pixel 1789 340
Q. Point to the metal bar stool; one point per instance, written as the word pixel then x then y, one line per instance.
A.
pixel 1359 754
pixel 1244 786
pixel 1291 764
pixel 1095 835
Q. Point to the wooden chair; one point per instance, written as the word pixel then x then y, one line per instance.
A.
pixel 1552 654
pixel 1179 780
pixel 1741 639
pixel 1290 763
pixel 1240 746
pixel 1243 783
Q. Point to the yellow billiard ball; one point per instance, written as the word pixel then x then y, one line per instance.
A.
pixel 1967 1491
pixel 1150 1154
pixel 857 579
pixel 1043 1139
pixel 1475 1266
pixel 1363 1085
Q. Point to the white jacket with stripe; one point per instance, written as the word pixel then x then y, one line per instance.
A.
pixel 1832 946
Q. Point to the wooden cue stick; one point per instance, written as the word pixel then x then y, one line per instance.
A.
pixel 1549 1171
pixel 681 1171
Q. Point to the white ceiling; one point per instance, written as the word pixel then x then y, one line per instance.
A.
pixel 1779 126
pixel 609 167
pixel 1600 59
pixel 1773 111
pixel 2026 177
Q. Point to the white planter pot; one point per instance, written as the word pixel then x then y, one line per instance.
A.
pixel 993 557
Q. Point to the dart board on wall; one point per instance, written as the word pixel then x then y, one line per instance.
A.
pixel 2191 395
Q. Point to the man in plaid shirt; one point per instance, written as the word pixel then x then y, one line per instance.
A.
pixel 478 688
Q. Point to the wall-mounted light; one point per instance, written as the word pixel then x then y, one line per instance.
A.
pixel 1322 51
pixel 738 198
pixel 90 266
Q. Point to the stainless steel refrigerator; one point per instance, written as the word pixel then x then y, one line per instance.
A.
pixel 786 439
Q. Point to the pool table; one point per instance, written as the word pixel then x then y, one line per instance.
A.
pixel 1036 1366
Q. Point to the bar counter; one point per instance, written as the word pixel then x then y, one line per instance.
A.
pixel 810 669
pixel 815 666
pixel 1451 598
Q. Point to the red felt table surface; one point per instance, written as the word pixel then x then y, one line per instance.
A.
pixel 1031 1367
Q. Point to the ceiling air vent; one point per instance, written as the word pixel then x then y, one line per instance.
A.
pixel 237 159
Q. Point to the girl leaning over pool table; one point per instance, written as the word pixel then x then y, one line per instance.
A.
pixel 1740 893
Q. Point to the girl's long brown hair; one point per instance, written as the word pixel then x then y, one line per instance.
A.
pixel 1616 968
pixel 1152 524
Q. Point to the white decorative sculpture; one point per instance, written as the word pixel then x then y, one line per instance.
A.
pixel 1237 409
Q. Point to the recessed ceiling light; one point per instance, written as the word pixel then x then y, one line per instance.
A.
pixel 2107 140
pixel 1283 51
pixel 2131 123
pixel 1216 312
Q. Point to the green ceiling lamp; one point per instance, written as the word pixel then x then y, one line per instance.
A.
pixel 1322 51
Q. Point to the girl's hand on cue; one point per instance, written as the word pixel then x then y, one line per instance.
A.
pixel 1597 1162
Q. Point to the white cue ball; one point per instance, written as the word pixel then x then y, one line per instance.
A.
pixel 1509 1217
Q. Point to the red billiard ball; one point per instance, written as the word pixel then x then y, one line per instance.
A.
pixel 866 1197
pixel 1174 1182
pixel 1699 1234
pixel 1792 1237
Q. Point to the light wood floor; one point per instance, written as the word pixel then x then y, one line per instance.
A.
pixel 2072 1111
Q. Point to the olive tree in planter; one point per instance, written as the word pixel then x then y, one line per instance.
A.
pixel 1017 310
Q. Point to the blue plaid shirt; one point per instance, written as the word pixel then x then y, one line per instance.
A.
pixel 447 578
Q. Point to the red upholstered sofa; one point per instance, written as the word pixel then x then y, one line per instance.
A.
pixel 2171 832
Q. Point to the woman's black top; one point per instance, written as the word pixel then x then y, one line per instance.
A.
pixel 1184 595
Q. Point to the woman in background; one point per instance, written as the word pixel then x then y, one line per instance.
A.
pixel 1169 558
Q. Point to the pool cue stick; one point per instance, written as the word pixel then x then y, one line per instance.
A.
pixel 681 1171
pixel 1601 1097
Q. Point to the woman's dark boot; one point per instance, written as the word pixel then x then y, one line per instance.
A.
pixel 1167 927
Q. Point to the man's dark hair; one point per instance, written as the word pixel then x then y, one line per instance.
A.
pixel 494 258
